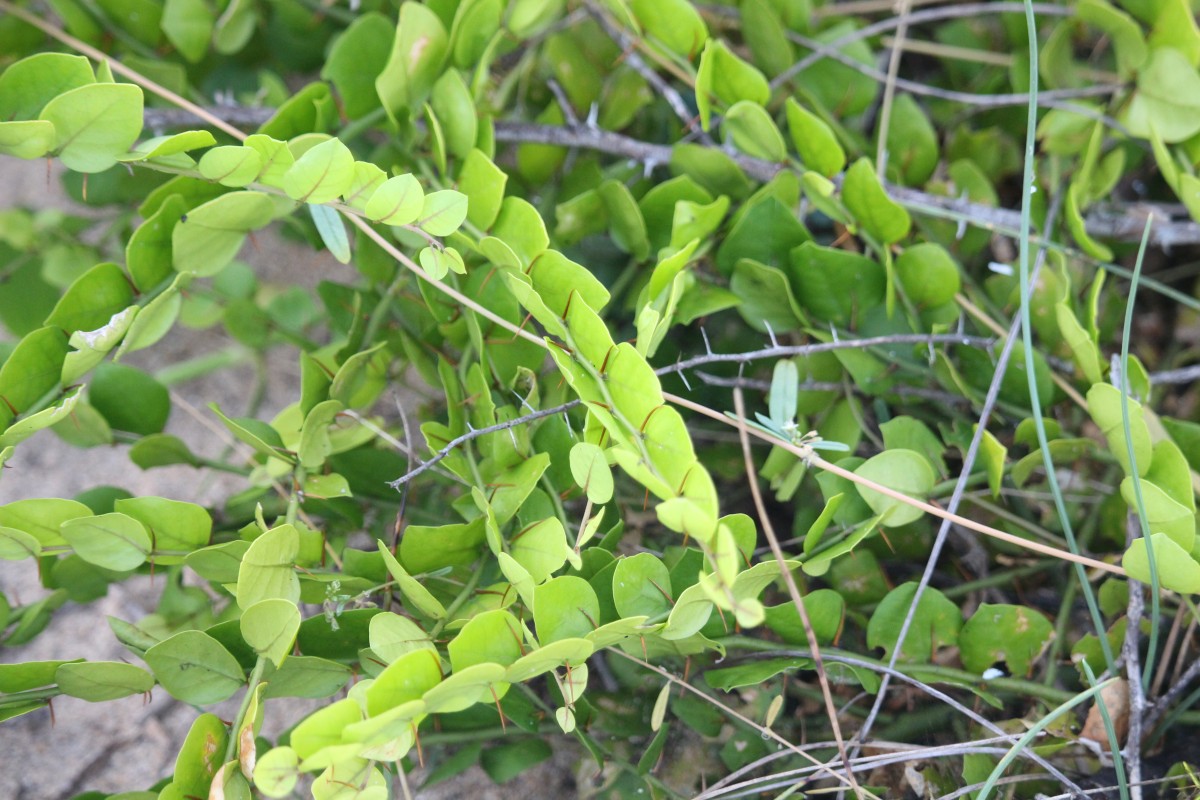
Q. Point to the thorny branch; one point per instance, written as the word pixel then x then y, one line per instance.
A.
pixel 1114 221
pixel 778 351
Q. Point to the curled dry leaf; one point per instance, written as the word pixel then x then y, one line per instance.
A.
pixel 1115 697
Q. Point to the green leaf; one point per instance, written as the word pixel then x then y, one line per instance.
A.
pixel 1163 514
pixel 814 141
pixel 443 212
pixel 307 676
pixel 129 399
pixel 835 285
pixel 936 623
pixel 92 299
pixel 565 607
pixel 358 55
pixel 394 636
pixel 589 467
pixel 625 219
pixel 148 252
pixel 29 84
pixel 929 275
pixel 113 541
pixel 504 762
pixel 28 426
pixel 491 637
pixel 193 667
pixel 427 548
pixel 269 627
pixel 332 230
pixel 749 128
pixel 483 184
pixel 1167 99
pixel 231 165
pixel 28 675
pixel 1104 404
pixel 188 24
pixel 406 679
pixel 908 433
pixel 276 772
pixel 99 681
pixel 27 139
pixel 676 24
pixel 257 434
pixel 42 517
pixel 155 319
pixel 880 216
pixel 208 237
pixel 417 56
pixel 420 598
pixel 826 611
pixel 766 297
pixel 993 454
pixel 912 143
pixel 200 756
pixel 315 443
pixel 727 77
pixel 540 548
pixel 324 728
pixel 1013 634
pixel 95 124
pixel 455 110
pixel 398 201
pixel 904 471
pixel 18 545
pixel 641 585
pixel 173 524
pixel 1129 43
pixel 1177 570
pixel 268 568
pixel 321 174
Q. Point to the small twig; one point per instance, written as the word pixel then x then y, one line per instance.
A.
pixel 822 50
pixel 793 591
pixel 932 691
pixel 816 461
pixel 766 732
pixel 830 386
pixel 475 433
pixel 1169 697
pixel 788 351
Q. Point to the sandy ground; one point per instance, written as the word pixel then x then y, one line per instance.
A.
pixel 130 744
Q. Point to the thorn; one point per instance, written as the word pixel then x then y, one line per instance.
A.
pixel 683 378
pixel 833 330
pixel 770 333
pixel 707 346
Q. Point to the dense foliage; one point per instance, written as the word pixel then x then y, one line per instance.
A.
pixel 652 254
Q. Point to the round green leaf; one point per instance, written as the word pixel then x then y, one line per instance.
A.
pixel 749 127
pixel 935 624
pixel 268 568
pixel 276 773
pixel 95 124
pixel 398 201
pixel 193 667
pixel 394 636
pixel 1012 634
pixel 129 399
pixel 929 275
pixel 321 174
pixel 904 471
pixel 565 607
pixel 589 467
pixel 442 212
pixel 231 165
pixel 208 237
pixel 491 637
pixel 1177 570
pixel 641 584
pixel 270 626
pixel 112 541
